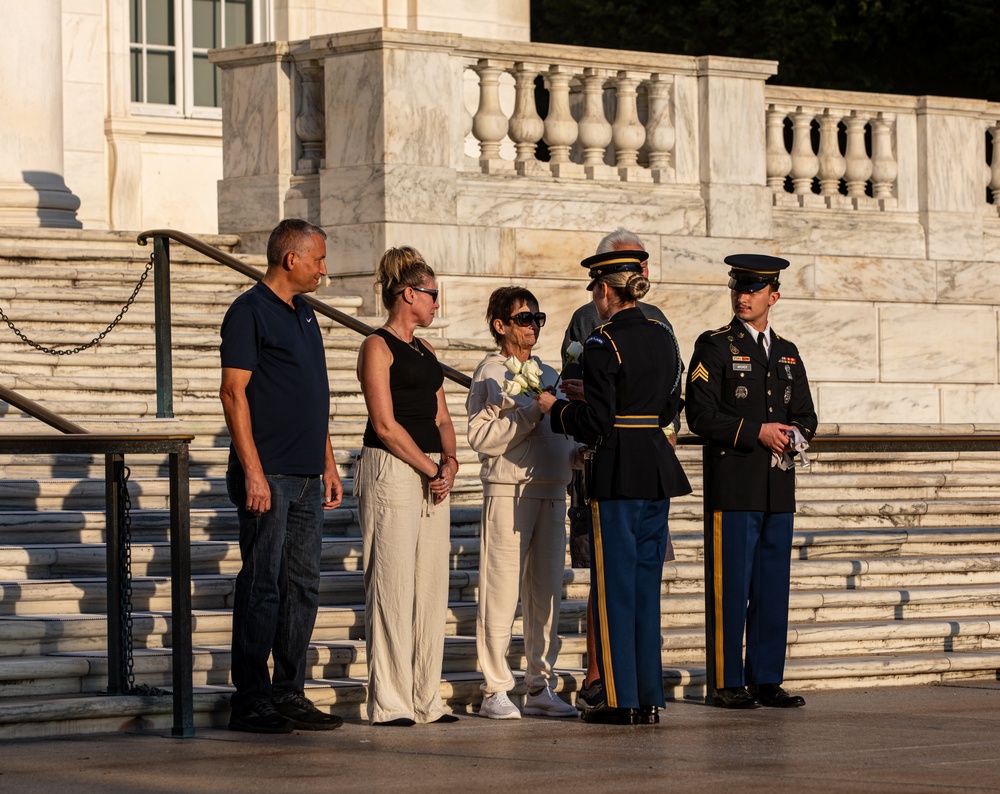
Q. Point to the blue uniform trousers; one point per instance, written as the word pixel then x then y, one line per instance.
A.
pixel 749 558
pixel 629 542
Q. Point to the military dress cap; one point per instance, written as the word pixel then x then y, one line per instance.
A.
pixel 753 272
pixel 614 262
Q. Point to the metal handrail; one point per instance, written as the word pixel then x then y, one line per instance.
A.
pixel 161 286
pixel 114 448
pixel 946 442
pixel 40 412
pixel 833 442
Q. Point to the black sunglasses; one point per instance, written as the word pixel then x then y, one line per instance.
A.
pixel 524 319
pixel 432 292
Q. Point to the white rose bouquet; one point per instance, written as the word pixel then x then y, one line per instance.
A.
pixel 526 377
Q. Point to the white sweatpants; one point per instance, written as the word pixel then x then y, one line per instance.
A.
pixel 522 550
pixel 406 546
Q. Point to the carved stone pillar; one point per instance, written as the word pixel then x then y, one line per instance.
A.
pixel 526 126
pixel 560 126
pixel 859 165
pixel 561 129
pixel 33 191
pixel 595 129
pixel 489 124
pixel 884 167
pixel 805 163
pixel 832 164
pixel 628 134
pixel 660 133
pixel 310 121
pixel 779 161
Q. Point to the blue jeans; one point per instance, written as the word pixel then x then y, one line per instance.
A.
pixel 277 590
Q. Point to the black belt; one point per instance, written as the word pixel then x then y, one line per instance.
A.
pixel 635 422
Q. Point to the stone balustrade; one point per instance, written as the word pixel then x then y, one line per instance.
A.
pixel 727 153
pixel 602 122
pixel 837 153
pixel 506 162
pixel 544 111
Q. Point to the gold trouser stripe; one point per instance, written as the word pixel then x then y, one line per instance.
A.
pixel 602 608
pixel 720 657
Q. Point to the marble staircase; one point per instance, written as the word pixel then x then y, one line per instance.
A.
pixel 896 562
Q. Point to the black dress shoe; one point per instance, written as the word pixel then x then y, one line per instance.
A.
pixel 645 715
pixel 605 715
pixel 774 696
pixel 734 697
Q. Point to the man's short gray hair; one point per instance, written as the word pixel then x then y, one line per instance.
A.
pixel 621 239
pixel 288 236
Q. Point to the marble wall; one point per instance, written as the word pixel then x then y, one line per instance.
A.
pixel 893 295
pixel 494 19
pixel 76 151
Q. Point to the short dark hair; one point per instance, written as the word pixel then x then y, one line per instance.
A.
pixel 288 236
pixel 502 303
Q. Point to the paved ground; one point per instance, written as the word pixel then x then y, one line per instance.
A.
pixel 913 739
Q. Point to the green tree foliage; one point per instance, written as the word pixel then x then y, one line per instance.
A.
pixel 942 47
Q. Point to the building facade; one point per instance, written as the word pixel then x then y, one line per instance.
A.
pixel 438 123
pixel 112 109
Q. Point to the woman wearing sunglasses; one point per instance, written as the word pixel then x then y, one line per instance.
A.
pixel 402 481
pixel 525 470
pixel 631 390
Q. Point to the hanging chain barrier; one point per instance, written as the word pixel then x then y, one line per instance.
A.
pixel 125 576
pixel 125 590
pixel 97 339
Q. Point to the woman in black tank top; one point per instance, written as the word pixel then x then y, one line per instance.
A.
pixel 402 481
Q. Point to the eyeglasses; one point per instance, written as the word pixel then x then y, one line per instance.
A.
pixel 524 319
pixel 432 292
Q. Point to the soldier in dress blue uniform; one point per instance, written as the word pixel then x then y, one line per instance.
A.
pixel 746 393
pixel 631 391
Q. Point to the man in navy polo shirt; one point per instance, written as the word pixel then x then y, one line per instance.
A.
pixel 281 476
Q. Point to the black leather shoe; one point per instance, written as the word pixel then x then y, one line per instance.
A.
pixel 300 711
pixel 774 696
pixel 606 715
pixel 645 715
pixel 734 697
pixel 259 717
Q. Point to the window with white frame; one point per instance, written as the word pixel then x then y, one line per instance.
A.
pixel 169 44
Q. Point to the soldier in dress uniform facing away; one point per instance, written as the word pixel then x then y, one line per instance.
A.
pixel 631 391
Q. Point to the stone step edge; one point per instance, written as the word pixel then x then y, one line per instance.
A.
pixel 672 571
pixel 345 651
pixel 350 615
pixel 49 716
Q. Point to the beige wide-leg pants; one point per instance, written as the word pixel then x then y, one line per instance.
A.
pixel 406 547
pixel 522 551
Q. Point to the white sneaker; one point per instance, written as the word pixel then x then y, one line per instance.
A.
pixel 546 704
pixel 498 707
